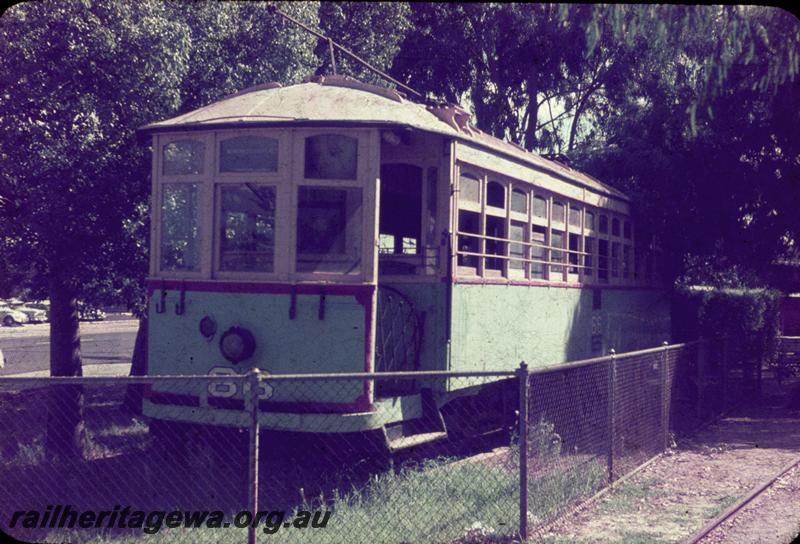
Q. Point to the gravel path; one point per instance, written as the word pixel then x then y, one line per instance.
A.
pixel 676 495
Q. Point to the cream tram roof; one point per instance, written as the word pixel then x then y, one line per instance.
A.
pixel 341 101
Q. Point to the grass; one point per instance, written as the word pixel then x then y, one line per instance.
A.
pixel 437 502
pixel 723 503
pixel 548 495
pixel 624 498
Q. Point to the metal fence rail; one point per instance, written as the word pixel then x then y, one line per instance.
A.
pixel 520 448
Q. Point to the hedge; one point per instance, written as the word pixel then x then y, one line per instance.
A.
pixel 748 316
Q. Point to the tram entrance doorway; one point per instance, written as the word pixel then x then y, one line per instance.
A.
pixel 399 331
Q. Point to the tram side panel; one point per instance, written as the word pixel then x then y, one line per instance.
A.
pixel 495 327
pixel 429 303
pixel 330 335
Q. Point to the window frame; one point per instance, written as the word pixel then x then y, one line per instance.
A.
pixel 284 150
pixel 202 181
pixel 278 265
pixel 367 175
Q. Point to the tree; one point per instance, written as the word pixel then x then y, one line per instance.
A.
pixel 513 67
pixel 234 45
pixel 687 108
pixel 718 185
pixel 79 78
pixel 371 30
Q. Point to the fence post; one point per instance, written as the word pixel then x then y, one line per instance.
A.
pixel 665 397
pixel 522 372
pixel 701 376
pixel 612 396
pixel 252 481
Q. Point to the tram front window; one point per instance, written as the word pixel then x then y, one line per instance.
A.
pixel 329 229
pixel 180 248
pixel 247 229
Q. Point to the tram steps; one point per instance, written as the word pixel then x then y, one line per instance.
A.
pixel 405 442
pixel 428 428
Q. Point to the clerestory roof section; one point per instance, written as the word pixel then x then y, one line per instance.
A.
pixel 342 101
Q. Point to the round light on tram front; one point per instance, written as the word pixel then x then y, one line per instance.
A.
pixel 237 344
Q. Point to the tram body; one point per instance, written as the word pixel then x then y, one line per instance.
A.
pixel 333 226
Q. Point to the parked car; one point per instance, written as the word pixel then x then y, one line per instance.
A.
pixel 42 305
pixel 10 316
pixel 87 312
pixel 34 315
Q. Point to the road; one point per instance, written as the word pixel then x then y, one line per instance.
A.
pixel 106 347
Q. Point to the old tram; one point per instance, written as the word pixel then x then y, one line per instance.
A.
pixel 335 226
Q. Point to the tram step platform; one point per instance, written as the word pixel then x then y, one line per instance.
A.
pixel 429 427
pixel 405 442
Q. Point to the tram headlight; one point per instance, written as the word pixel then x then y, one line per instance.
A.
pixel 237 344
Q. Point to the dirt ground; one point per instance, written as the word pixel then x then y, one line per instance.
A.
pixel 772 517
pixel 676 495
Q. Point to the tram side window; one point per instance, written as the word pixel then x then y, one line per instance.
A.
pixel 331 156
pixel 588 259
pixel 468 222
pixel 558 212
pixel 180 227
pixel 589 218
pixel 574 250
pixel 603 224
pixel 540 207
pixel 517 251
pixel 329 229
pixel 615 227
pixel 538 253
pixel 248 154
pixel 557 256
pixel 470 190
pixel 495 228
pixel 182 157
pixel 602 260
pixel 247 228
pixel 519 201
pixel 400 209
pixel 575 217
pixel 495 195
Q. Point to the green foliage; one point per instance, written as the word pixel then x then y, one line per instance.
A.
pixel 543 443
pixel 749 317
pixel 371 30
pixel 77 79
pixel 235 45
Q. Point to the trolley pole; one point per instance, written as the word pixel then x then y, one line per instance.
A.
pixel 522 373
pixel 252 491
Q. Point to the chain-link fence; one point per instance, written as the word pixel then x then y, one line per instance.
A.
pixel 285 459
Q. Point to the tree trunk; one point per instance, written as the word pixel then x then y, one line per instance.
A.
pixel 533 114
pixel 133 394
pixel 65 430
